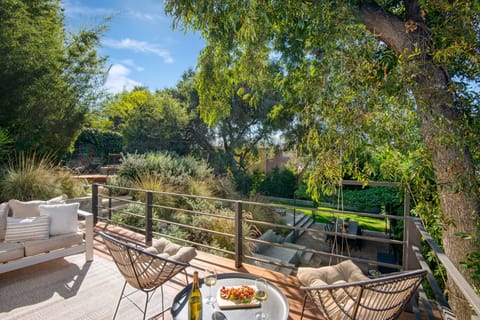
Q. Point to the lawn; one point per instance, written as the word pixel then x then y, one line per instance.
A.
pixel 324 214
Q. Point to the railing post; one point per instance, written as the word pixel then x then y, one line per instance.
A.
pixel 406 230
pixel 110 203
pixel 238 234
pixel 148 218
pixel 95 203
pixel 410 237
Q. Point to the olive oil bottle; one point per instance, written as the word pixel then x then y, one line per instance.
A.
pixel 195 300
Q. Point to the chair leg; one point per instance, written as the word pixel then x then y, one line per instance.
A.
pixel 303 307
pixel 147 300
pixel 186 276
pixel 163 307
pixel 119 300
pixel 146 306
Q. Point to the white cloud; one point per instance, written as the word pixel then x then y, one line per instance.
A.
pixel 139 46
pixel 74 8
pixel 131 63
pixel 149 17
pixel 118 80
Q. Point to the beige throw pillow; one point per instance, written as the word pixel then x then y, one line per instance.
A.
pixel 26 209
pixel 21 209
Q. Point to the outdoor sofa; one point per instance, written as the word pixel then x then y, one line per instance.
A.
pixel 37 231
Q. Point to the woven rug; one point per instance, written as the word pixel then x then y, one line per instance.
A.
pixel 69 288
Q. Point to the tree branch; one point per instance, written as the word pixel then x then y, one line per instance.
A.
pixel 386 27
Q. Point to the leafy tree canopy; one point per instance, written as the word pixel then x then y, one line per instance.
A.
pixel 48 77
pixel 398 78
pixel 148 121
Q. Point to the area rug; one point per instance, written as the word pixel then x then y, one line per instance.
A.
pixel 69 288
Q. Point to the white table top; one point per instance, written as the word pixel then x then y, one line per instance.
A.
pixel 276 305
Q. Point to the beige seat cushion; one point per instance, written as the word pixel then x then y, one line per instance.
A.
pixel 345 271
pixel 166 249
pixel 11 251
pixel 53 243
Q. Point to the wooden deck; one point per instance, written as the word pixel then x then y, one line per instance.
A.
pixel 289 285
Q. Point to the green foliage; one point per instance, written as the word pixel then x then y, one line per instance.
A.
pixel 369 198
pixel 395 81
pixel 133 215
pixel 103 142
pixel 30 177
pixel 48 78
pixel 174 168
pixel 171 173
pixel 471 263
pixel 278 183
pixel 148 121
pixel 5 145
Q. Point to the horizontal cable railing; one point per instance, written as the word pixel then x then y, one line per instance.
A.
pixel 292 229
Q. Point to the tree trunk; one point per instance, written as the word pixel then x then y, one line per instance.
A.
pixel 454 172
pixel 442 134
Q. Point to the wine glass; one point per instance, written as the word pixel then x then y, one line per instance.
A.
pixel 261 294
pixel 210 280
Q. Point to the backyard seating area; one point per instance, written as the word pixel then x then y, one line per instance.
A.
pixel 70 287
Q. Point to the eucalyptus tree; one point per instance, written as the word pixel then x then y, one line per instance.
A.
pixel 48 76
pixel 353 69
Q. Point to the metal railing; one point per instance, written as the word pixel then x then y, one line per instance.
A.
pixel 245 243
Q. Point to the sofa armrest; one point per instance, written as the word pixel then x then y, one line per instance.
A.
pixel 88 233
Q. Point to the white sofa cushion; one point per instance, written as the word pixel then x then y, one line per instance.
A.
pixel 23 229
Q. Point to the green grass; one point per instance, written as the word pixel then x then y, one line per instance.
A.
pixel 365 223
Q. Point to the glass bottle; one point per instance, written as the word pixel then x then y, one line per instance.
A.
pixel 195 300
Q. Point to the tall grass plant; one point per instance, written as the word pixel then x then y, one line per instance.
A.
pixel 29 177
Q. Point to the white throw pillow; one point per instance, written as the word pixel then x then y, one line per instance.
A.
pixel 25 229
pixel 63 217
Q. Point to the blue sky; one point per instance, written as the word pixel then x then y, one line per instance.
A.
pixel 141 46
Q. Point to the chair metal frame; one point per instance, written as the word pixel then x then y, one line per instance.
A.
pixel 141 270
pixel 382 298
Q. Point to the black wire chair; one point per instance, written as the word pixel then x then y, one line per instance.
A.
pixel 142 270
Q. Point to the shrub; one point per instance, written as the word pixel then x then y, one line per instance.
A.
pixel 174 174
pixel 29 177
pixel 133 215
pixel 278 183
pixel 103 142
